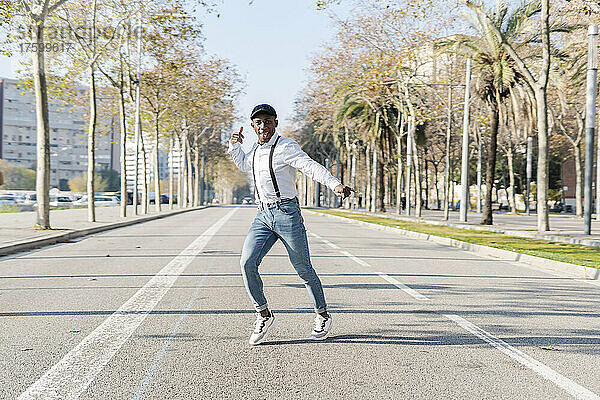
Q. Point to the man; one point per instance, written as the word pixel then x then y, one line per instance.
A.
pixel 273 162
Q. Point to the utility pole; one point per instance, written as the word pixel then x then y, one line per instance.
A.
pixel 138 122
pixel 590 122
pixel 464 175
pixel 447 169
pixel 529 173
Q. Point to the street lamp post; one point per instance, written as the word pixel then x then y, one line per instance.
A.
pixel 464 175
pixel 138 122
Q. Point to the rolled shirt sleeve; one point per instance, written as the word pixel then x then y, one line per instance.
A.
pixel 297 158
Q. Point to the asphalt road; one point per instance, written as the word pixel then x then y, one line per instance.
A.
pixel 158 311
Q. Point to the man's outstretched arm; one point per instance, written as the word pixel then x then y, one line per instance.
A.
pixel 242 160
pixel 297 158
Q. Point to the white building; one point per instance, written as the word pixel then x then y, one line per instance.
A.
pixel 163 166
pixel 68 135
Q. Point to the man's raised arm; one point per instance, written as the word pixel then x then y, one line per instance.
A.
pixel 240 159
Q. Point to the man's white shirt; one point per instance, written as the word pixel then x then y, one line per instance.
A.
pixel 287 158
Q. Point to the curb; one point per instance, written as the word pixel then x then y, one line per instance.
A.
pixel 30 244
pixel 572 270
pixel 510 232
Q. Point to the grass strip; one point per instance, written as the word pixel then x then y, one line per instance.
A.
pixel 566 252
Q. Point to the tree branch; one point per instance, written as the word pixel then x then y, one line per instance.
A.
pixel 56 5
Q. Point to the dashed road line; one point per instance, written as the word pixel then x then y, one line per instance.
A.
pixel 403 287
pixel 568 385
pixel 408 290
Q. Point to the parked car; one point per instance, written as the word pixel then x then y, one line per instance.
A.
pixel 60 201
pixel 99 201
pixel 8 200
pixel 247 200
pixel 28 199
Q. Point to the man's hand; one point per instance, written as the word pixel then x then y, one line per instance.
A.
pixel 343 191
pixel 237 137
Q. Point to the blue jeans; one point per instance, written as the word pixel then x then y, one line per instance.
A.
pixel 279 221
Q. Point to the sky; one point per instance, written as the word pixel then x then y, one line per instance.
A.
pixel 269 41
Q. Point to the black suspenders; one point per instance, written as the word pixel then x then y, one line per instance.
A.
pixel 273 179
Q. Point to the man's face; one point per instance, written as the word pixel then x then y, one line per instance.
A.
pixel 264 125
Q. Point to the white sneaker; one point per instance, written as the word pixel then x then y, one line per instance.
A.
pixel 262 326
pixel 322 328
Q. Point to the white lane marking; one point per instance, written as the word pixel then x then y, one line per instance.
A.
pixel 403 287
pixel 546 372
pixel 571 387
pixel 388 278
pixel 595 283
pixel 334 246
pixel 355 259
pixel 68 378
pixel 157 360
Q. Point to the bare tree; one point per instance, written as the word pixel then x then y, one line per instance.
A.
pixel 37 12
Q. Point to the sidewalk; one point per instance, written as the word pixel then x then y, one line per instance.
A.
pixel 17 233
pixel 563 228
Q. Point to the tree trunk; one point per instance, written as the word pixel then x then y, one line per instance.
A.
pixel 145 197
pixel 418 194
pixel 185 172
pixel 479 158
pixel 339 173
pixel 197 178
pixel 156 168
pixel 578 181
pixel 180 175
pixel 368 178
pixel 123 128
pixel 318 194
pixel 353 177
pixel 436 182
pixel 543 221
pixel 426 170
pixel 189 173
pixel 91 170
pixel 409 161
pixel 486 216
pixel 202 175
pixel 382 192
pixel 511 179
pixel 42 181
pixel 171 170
pixel 349 152
pixel 399 175
pixel 374 187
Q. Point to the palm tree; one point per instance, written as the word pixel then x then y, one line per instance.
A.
pixel 496 72
pixel 370 120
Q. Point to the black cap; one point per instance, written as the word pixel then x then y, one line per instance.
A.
pixel 263 109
